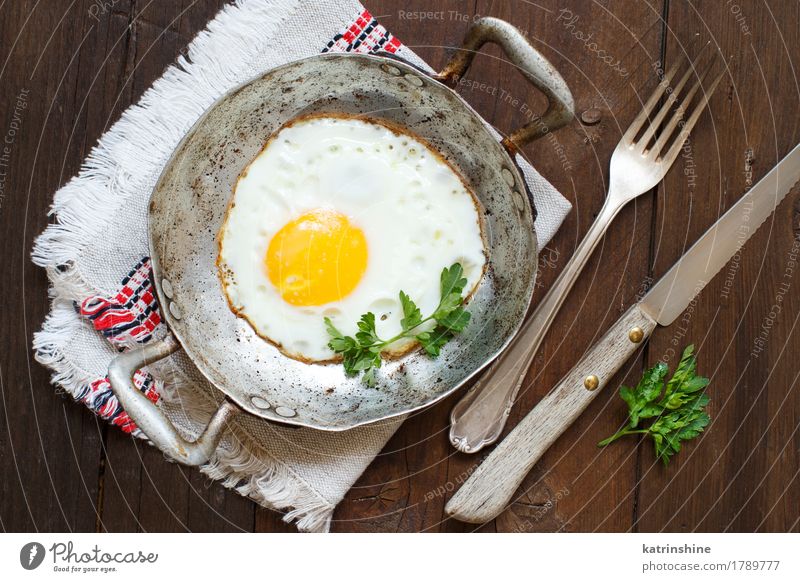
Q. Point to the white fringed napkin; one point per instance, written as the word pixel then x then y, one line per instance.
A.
pixel 95 254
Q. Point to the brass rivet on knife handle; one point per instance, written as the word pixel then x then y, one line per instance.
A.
pixel 636 334
pixel 591 382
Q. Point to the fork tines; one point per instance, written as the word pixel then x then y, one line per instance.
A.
pixel 660 131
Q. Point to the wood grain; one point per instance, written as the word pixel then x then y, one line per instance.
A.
pixel 63 470
pixel 728 481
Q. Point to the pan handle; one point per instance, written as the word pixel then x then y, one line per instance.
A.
pixel 149 418
pixel 530 62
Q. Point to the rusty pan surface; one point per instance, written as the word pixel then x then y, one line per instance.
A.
pixel 188 206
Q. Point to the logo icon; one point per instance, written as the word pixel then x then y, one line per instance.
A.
pixel 31 555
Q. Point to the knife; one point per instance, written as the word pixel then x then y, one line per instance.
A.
pixel 490 487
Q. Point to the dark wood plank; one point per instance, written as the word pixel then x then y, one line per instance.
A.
pixel 268 521
pixel 378 500
pixel 742 475
pixel 51 448
pixel 213 508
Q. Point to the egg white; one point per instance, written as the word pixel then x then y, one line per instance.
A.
pixel 415 212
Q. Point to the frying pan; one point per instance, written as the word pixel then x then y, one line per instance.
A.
pixel 188 205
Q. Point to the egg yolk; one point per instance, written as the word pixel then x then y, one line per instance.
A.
pixel 316 258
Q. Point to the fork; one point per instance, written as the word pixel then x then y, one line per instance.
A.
pixel 639 162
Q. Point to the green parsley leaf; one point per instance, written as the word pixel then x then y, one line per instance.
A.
pixel 367 335
pixel 332 331
pixel 412 316
pixel 362 352
pixel 369 377
pixel 433 341
pixel 452 280
pixel 341 344
pixel 646 392
pixel 677 407
pixel 455 321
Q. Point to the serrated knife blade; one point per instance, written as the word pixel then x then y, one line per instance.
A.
pixel 668 298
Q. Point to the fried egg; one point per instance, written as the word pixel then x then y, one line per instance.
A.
pixel 333 218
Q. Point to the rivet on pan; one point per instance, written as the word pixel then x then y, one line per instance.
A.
pixel 166 287
pixel 285 412
pixel 414 80
pixel 591 382
pixel 636 334
pixel 259 402
pixel 508 176
pixel 390 69
pixel 591 116
pixel 518 201
pixel 175 310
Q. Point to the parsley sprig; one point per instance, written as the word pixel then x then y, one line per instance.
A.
pixel 362 352
pixel 677 407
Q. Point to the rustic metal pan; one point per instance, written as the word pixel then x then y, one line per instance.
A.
pixel 188 204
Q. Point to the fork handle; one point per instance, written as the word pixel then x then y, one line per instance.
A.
pixel 479 417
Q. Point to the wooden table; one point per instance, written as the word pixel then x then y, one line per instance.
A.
pixel 62 469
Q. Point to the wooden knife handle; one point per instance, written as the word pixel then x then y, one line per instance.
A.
pixel 489 489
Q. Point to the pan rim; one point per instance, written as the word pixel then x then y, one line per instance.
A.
pixel 392 415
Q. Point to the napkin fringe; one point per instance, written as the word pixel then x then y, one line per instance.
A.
pixel 270 484
pixel 241 463
pixel 59 327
